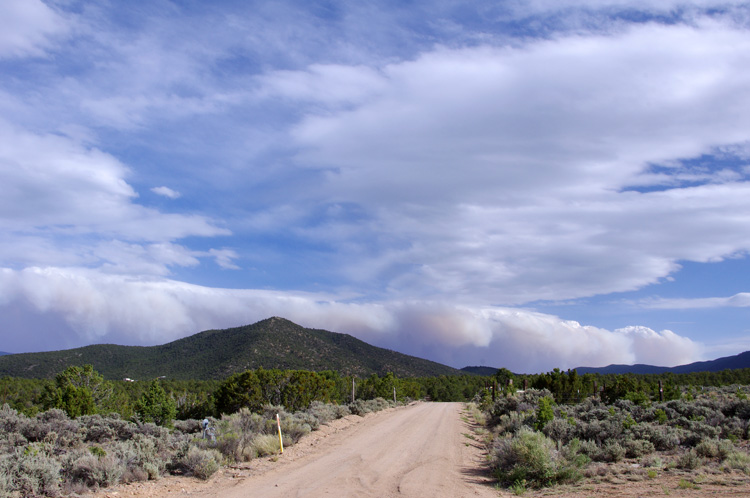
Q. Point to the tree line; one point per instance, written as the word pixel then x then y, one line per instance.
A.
pixel 567 387
pixel 80 390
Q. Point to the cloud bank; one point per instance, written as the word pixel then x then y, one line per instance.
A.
pixel 114 308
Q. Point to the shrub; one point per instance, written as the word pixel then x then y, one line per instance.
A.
pixel 531 457
pixel 527 456
pixel 190 426
pixel 95 471
pixel 141 458
pixel 600 431
pixel 737 460
pixel 544 413
pixel 56 421
pixel 31 471
pixel 96 429
pixel 294 429
pixel 199 462
pixel 652 461
pixel 661 436
pixel 361 407
pixel 707 449
pixel 513 422
pixel 734 428
pixel 152 430
pixel 612 451
pixel 689 460
pixel 248 422
pixel 265 444
pixel 230 445
pixel 660 416
pixel 589 448
pixel 635 448
pixel 326 412
pixel 519 402
pixel 558 430
pixel 696 431
pixel 11 420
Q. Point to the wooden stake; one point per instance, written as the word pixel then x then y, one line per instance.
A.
pixel 281 440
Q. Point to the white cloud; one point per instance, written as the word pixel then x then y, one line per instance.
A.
pixel 502 174
pixel 122 309
pixel 69 204
pixel 332 84
pixel 659 348
pixel 166 192
pixel 28 27
pixel 740 300
pixel 224 258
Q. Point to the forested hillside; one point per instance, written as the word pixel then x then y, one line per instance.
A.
pixel 216 354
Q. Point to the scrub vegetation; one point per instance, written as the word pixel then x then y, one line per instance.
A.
pixel 79 431
pixel 73 446
pixel 535 441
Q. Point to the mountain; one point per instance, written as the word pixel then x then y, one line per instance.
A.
pixel 741 360
pixel 216 354
pixel 3 353
pixel 483 371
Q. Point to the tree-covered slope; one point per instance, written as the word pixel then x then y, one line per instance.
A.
pixel 216 354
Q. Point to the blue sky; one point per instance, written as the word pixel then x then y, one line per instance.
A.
pixel 522 184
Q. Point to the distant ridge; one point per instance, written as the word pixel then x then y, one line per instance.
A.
pixel 741 360
pixel 2 353
pixel 483 371
pixel 216 354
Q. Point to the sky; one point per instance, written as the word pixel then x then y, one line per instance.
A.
pixel 522 184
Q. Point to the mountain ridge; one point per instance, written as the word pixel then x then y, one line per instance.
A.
pixel 216 354
pixel 741 360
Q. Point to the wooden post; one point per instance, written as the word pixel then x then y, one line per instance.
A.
pixel 494 388
pixel 394 394
pixel 525 384
pixel 509 390
pixel 352 389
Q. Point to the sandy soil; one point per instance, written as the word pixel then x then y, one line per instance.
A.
pixel 423 450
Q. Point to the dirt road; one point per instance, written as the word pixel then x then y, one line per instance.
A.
pixel 422 450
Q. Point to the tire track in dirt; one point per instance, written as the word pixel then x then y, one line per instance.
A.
pixel 420 450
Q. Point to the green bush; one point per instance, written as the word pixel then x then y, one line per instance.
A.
pixel 544 413
pixel 156 406
pixel 266 444
pixel 737 460
pixel 532 457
